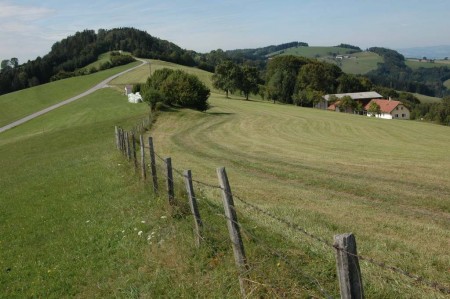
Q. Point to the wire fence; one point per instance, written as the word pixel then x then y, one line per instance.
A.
pixel 255 273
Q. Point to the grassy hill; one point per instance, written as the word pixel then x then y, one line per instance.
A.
pixel 73 209
pixel 21 103
pixel 415 63
pixel 357 63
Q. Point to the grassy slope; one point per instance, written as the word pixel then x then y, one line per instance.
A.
pixel 330 173
pixel 141 74
pixel 415 64
pixel 24 102
pixel 360 63
pixel 391 190
pixel 68 208
pixel 312 52
pixel 427 99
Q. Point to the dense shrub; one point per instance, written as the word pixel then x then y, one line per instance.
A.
pixel 176 88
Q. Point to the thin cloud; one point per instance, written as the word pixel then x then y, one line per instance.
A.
pixel 23 12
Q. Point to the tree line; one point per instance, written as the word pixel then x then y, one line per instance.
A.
pixel 394 73
pixel 83 48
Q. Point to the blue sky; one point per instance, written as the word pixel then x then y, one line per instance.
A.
pixel 28 28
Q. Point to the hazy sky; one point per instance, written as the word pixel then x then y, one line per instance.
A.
pixel 29 28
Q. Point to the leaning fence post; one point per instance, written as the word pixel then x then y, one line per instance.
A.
pixel 143 172
pixel 153 165
pixel 194 207
pixel 233 228
pixel 347 262
pixel 169 176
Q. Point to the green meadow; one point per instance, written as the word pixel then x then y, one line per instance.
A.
pixel 78 222
pixel 415 63
pixel 19 104
pixel 358 63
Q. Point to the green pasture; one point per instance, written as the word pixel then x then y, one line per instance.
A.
pixel 141 74
pixel 73 208
pixel 415 63
pixel 447 83
pixel 427 99
pixel 312 52
pixel 360 63
pixel 386 181
pixel 21 103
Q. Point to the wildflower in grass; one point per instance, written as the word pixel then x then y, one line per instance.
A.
pixel 163 217
pixel 139 233
pixel 143 221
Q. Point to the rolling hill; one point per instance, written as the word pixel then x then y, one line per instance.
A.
pixel 78 222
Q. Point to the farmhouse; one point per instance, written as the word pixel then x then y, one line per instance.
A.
pixel 363 97
pixel 389 109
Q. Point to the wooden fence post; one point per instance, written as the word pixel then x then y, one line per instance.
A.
pixel 116 131
pixel 349 273
pixel 153 165
pixel 143 167
pixel 169 176
pixel 122 141
pixel 194 207
pixel 133 149
pixel 127 146
pixel 233 229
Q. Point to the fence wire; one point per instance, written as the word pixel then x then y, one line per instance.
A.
pixel 417 278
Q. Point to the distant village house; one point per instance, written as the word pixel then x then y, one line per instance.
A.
pixel 363 97
pixel 390 109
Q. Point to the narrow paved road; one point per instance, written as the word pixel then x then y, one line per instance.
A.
pixel 89 91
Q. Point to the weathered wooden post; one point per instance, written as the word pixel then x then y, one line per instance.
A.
pixel 116 131
pixel 127 146
pixel 233 229
pixel 133 149
pixel 347 262
pixel 122 141
pixel 153 165
pixel 143 168
pixel 169 176
pixel 194 207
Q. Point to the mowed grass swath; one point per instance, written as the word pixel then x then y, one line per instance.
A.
pixel 388 182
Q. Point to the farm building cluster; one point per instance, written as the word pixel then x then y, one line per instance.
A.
pixel 388 108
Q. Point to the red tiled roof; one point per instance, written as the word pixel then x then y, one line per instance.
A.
pixel 386 106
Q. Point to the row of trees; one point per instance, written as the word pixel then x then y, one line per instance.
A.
pixel 231 77
pixel 303 81
pixel 394 73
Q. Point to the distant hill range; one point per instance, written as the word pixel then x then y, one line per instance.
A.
pixel 434 52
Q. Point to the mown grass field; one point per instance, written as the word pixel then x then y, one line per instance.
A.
pixel 359 63
pixel 427 99
pixel 19 104
pixel 73 209
pixel 312 52
pixel 415 63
